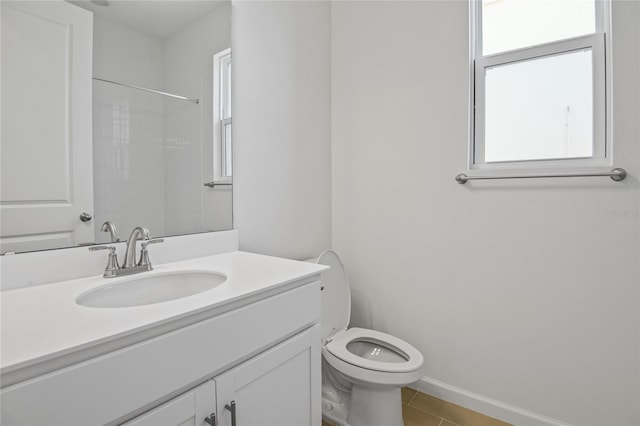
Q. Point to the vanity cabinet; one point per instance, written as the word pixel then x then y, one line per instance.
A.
pixel 261 352
pixel 274 388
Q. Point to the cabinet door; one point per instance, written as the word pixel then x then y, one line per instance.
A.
pixel 188 409
pixel 280 387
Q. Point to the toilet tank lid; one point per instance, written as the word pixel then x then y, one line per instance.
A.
pixel 336 295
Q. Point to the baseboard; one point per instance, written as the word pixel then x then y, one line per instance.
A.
pixel 487 406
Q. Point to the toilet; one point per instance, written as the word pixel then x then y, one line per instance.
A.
pixel 362 370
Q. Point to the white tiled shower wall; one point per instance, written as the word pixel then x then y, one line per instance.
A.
pixel 128 135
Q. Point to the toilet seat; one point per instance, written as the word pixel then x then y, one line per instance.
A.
pixel 338 348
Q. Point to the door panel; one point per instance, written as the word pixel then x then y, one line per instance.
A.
pixel 46 144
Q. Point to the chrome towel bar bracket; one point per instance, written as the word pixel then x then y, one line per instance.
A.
pixel 616 174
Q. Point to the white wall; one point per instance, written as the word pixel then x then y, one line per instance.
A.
pixel 128 144
pixel 282 178
pixel 524 292
pixel 188 70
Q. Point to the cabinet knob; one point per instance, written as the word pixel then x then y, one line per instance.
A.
pixel 211 419
pixel 85 217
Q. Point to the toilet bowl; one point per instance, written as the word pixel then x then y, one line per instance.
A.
pixel 363 370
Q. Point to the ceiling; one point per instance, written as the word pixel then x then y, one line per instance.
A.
pixel 157 18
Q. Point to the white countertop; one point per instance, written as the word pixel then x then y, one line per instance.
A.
pixel 42 323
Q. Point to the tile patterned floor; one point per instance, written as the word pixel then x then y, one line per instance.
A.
pixel 419 409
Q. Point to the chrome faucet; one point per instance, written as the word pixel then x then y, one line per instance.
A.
pixel 130 265
pixel 110 227
pixel 138 233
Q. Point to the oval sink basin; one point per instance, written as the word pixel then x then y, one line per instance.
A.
pixel 151 289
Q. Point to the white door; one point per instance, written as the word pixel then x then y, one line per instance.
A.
pixel 280 387
pixel 46 138
pixel 188 409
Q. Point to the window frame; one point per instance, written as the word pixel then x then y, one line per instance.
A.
pixel 600 45
pixel 221 116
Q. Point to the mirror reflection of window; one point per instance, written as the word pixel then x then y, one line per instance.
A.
pixel 222 133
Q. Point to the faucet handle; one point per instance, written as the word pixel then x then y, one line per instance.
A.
pixel 145 243
pixel 144 253
pixel 112 249
pixel 112 261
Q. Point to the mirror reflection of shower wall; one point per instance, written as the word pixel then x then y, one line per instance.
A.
pixel 153 153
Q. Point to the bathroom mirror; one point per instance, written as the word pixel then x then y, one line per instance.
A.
pixel 160 112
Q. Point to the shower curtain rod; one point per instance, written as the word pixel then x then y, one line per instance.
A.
pixel 197 101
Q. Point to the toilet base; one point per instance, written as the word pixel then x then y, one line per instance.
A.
pixel 334 412
pixel 375 406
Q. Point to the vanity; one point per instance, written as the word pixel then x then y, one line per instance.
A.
pixel 244 352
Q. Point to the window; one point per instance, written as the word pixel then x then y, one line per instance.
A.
pixel 539 83
pixel 222 136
